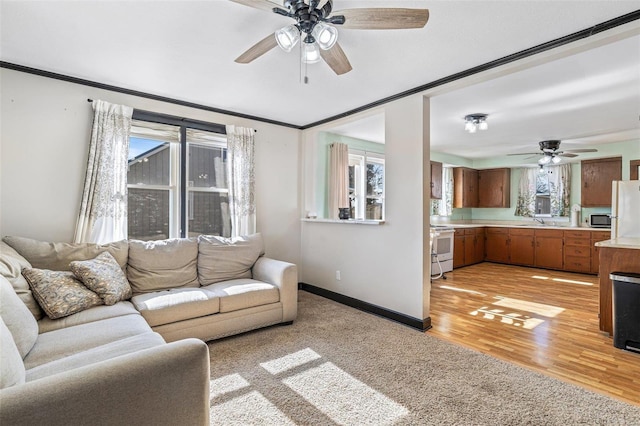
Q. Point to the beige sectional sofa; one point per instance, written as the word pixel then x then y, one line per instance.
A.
pixel 141 360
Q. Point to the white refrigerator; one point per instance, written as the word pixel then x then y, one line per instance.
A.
pixel 625 209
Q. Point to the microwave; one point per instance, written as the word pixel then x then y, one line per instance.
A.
pixel 600 220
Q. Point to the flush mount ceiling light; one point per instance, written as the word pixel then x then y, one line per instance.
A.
pixel 473 122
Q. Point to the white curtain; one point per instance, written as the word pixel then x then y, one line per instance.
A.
pixel 444 206
pixel 559 189
pixel 338 178
pixel 103 212
pixel 526 203
pixel 241 180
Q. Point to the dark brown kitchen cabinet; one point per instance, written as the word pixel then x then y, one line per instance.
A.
pixel 548 249
pixel 468 246
pixel 521 246
pixel 595 251
pixel 465 187
pixel 494 188
pixel 458 248
pixel 597 176
pixel 577 251
pixel 497 245
pixel 436 180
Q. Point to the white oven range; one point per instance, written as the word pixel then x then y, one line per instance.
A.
pixel 441 249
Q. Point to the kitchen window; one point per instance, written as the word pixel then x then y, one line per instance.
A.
pixel 169 197
pixel 366 185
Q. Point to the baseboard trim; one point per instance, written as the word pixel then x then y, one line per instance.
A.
pixel 420 325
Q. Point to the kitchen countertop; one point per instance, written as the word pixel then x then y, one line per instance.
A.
pixel 517 224
pixel 624 242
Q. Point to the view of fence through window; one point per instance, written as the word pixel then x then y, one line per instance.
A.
pixel 153 180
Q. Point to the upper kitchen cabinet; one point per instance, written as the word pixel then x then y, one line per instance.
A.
pixel 436 180
pixel 465 187
pixel 597 176
pixel 494 188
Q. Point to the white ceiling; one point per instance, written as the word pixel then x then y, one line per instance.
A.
pixel 186 50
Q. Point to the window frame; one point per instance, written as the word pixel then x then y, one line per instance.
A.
pixel 359 159
pixel 178 184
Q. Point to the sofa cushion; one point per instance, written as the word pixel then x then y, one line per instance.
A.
pixel 59 293
pixel 103 276
pixel 17 318
pixel 11 264
pixel 163 307
pixel 11 366
pixel 68 341
pixel 100 353
pixel 244 293
pixel 58 256
pixel 163 264
pixel 96 313
pixel 221 259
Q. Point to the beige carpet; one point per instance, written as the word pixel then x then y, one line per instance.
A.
pixel 337 365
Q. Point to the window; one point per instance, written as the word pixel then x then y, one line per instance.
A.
pixel 169 197
pixel 366 185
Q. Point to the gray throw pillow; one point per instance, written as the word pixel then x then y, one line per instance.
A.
pixel 103 276
pixel 222 259
pixel 11 265
pixel 60 293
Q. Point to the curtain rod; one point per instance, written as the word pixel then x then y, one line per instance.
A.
pixel 91 100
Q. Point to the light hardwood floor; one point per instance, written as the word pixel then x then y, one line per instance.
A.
pixel 539 319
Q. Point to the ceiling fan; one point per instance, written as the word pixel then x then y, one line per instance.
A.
pixel 550 154
pixel 315 28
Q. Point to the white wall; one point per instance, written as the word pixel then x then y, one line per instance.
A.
pixel 46 126
pixel 379 264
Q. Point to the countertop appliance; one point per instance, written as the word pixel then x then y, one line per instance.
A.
pixel 600 220
pixel 625 205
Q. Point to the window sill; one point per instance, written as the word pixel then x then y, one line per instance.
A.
pixel 346 221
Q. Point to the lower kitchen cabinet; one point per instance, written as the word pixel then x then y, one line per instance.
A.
pixel 577 251
pixel 468 246
pixel 497 245
pixel 548 249
pixel 521 246
pixel 595 251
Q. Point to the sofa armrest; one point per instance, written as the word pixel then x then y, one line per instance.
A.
pixel 164 385
pixel 285 276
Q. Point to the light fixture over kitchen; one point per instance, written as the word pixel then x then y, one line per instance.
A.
pixel 473 122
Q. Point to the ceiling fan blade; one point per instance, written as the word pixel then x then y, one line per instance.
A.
pixel 258 49
pixel 568 155
pixel 265 5
pixel 383 18
pixel 582 150
pixel 336 59
pixel 527 153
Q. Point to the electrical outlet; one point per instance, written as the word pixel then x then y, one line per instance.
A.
pixel 338 275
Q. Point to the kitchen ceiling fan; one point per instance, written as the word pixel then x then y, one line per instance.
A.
pixel 550 152
pixel 315 28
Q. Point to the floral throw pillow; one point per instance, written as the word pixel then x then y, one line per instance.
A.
pixel 59 293
pixel 104 276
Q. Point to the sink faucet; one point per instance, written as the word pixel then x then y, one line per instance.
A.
pixel 539 220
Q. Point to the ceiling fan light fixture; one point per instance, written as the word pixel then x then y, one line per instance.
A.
pixel 555 159
pixel 287 37
pixel 544 160
pixel 310 53
pixel 473 122
pixel 325 35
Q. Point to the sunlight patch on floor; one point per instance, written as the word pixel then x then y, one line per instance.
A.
pixel 508 318
pixel 227 384
pixel 561 280
pixel 290 361
pixel 463 290
pixel 346 400
pixel 259 411
pixel 524 305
